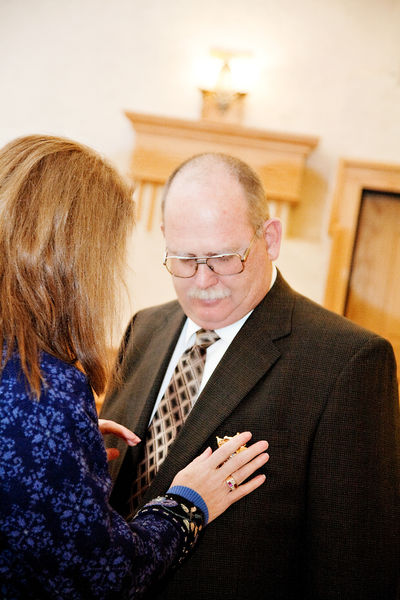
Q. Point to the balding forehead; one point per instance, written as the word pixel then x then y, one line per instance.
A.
pixel 203 167
pixel 206 169
pixel 208 181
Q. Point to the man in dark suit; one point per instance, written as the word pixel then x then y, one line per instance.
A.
pixel 320 389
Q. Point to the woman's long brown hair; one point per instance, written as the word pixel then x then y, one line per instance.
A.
pixel 65 215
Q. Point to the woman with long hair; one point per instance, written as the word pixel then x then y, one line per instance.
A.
pixel 65 215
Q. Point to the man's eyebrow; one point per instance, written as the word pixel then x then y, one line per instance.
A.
pixel 205 255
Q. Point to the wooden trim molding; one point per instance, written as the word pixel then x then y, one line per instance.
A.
pixel 162 143
pixel 353 178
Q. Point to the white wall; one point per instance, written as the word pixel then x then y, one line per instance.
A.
pixel 330 68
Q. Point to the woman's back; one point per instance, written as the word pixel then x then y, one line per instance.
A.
pixel 56 528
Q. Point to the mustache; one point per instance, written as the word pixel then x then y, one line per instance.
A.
pixel 209 293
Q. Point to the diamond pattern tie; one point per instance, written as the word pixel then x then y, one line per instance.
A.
pixel 178 400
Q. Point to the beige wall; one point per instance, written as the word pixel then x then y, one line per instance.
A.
pixel 329 68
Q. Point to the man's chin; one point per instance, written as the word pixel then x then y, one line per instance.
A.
pixel 209 314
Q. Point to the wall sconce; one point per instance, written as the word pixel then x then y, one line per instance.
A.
pixel 225 101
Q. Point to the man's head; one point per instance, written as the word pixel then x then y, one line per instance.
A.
pixel 216 204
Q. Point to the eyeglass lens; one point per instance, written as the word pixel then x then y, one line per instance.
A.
pixel 226 264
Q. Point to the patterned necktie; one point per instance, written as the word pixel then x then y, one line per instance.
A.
pixel 178 400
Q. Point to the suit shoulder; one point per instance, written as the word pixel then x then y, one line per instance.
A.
pixel 159 310
pixel 149 319
pixel 311 321
pixel 153 316
pixel 322 321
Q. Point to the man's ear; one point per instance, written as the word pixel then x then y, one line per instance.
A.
pixel 272 233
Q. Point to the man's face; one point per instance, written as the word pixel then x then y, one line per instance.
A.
pixel 206 214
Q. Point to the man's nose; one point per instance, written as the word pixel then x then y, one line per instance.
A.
pixel 205 277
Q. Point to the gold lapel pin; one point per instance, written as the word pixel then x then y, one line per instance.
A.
pixel 226 438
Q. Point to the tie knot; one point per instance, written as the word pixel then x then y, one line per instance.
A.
pixel 206 337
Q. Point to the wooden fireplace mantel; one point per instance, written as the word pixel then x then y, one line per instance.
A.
pixel 162 143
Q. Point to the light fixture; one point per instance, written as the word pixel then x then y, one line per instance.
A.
pixel 225 101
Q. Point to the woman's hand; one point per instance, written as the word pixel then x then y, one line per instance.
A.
pixel 208 473
pixel 126 434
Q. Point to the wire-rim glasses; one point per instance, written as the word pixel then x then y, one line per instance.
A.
pixel 225 264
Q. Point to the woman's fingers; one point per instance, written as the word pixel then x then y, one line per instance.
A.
pixel 229 448
pixel 209 474
pixel 126 434
pixel 245 488
pixel 203 456
pixel 249 468
pixel 242 458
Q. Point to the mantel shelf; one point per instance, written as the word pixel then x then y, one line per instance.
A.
pixel 162 143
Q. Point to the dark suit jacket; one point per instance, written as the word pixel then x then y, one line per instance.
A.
pixel 323 392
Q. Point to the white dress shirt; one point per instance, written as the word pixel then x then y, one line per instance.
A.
pixel 214 352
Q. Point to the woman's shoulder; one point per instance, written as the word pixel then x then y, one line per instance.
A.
pixel 60 380
pixel 59 372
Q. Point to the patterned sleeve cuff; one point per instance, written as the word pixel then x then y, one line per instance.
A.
pixel 192 496
pixel 182 513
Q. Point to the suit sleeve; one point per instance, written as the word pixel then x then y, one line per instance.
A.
pixel 352 527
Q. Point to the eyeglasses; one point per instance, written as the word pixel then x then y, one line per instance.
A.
pixel 229 263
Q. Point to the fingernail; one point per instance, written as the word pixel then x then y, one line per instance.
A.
pixel 133 441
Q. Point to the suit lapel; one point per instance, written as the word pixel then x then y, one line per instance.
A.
pixel 251 354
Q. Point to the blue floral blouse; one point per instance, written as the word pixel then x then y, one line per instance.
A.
pixel 59 537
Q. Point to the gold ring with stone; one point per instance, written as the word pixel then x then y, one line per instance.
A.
pixel 231 483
